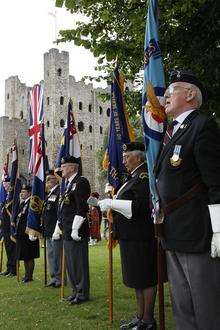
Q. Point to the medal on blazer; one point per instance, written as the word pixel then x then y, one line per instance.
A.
pixel 175 160
pixel 66 200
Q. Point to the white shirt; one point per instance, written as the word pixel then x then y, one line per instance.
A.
pixel 70 180
pixel 181 119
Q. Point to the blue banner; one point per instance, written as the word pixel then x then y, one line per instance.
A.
pixel 120 132
pixel 153 114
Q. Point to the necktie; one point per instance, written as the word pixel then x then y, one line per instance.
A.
pixel 169 132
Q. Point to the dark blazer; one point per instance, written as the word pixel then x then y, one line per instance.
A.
pixel 140 226
pixel 74 202
pixel 21 220
pixel 49 214
pixel 188 228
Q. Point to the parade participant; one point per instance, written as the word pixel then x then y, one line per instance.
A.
pixel 73 210
pixel 26 249
pixel 133 227
pixel 95 219
pixel 188 183
pixel 10 247
pixel 49 220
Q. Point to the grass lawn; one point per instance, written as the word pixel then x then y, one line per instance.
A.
pixel 28 306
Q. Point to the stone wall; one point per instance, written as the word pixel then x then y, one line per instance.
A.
pixel 90 112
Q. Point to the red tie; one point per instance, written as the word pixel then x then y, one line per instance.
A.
pixel 169 132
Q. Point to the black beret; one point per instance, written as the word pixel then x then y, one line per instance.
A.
pixel 188 77
pixel 26 187
pixel 70 159
pixel 133 146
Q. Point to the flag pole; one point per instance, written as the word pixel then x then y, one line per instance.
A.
pixel 1 254
pixel 17 270
pixel 110 273
pixel 62 274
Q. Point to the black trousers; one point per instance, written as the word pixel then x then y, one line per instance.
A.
pixel 10 248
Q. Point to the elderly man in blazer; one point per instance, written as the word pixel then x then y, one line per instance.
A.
pixel 72 211
pixel 188 183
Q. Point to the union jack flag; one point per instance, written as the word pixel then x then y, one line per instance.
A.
pixel 36 119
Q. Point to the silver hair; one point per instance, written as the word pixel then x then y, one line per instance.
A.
pixel 140 154
pixel 198 94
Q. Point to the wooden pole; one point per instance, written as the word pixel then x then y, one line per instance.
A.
pixel 17 270
pixel 1 255
pixel 160 275
pixel 45 261
pixel 110 274
pixel 62 274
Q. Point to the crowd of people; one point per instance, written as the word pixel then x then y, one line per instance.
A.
pixel 188 185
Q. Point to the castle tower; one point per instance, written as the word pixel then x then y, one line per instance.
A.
pixel 16 98
pixel 56 95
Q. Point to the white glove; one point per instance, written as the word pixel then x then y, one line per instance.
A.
pixel 57 233
pixel 215 245
pixel 119 205
pixel 32 238
pixel 77 223
pixel 214 210
pixel 105 204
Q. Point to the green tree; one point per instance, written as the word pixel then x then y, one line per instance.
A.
pixel 189 36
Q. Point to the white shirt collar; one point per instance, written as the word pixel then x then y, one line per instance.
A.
pixel 183 116
pixel 72 177
pixel 136 168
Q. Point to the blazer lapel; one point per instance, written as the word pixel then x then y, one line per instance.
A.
pixel 182 130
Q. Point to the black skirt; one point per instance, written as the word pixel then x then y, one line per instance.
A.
pixel 139 263
pixel 26 249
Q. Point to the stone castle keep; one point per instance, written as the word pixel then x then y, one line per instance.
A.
pixel 90 112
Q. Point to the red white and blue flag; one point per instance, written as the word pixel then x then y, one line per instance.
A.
pixel 153 114
pixel 36 119
pixel 37 160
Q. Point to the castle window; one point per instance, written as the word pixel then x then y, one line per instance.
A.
pixel 48 73
pixel 80 105
pixel 8 96
pixel 48 123
pixel 59 72
pixel 90 147
pixel 48 100
pixel 127 89
pixel 81 146
pixel 21 115
pixel 108 112
pixel 80 126
pixel 62 122
pixel 61 100
pixel 22 151
pixel 90 128
pixel 90 107
pixel 100 129
pixel 100 110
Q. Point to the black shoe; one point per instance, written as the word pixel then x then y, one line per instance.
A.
pixel 50 284
pixel 131 324
pixel 5 273
pixel 10 275
pixel 146 325
pixel 70 298
pixel 78 300
pixel 26 280
pixel 57 285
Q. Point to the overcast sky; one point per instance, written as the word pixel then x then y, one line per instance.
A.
pixel 27 31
